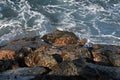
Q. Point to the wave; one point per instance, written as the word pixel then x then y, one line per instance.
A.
pixel 96 20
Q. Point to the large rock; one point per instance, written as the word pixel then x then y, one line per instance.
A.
pixel 65 40
pixel 40 59
pixel 60 38
pixel 22 73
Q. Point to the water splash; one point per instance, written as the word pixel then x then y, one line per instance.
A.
pixel 96 20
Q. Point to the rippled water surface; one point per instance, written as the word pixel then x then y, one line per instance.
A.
pixel 96 20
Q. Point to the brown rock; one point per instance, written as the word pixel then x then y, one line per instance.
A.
pixel 6 54
pixel 69 56
pixel 57 37
pixel 64 40
pixel 70 48
pixel 83 52
pixel 39 59
pixel 42 48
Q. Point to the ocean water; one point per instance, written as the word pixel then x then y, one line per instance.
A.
pixel 96 20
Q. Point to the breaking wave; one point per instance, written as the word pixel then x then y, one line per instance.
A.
pixel 96 20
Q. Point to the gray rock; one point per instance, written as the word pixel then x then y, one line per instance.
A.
pixel 22 73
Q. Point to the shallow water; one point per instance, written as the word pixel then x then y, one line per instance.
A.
pixel 96 20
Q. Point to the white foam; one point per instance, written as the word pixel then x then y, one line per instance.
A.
pixel 78 16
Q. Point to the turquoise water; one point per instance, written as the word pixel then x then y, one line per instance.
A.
pixel 96 20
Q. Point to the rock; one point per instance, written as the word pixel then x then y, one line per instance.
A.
pixel 115 59
pixel 22 73
pixel 88 70
pixel 42 48
pixel 65 69
pixel 70 48
pixel 21 54
pixel 82 42
pixel 99 57
pixel 64 41
pixel 83 53
pixel 58 58
pixel 7 64
pixel 111 48
pixel 39 59
pixel 60 38
pixel 7 54
pixel 32 43
pixel 69 56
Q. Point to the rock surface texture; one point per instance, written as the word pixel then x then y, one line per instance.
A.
pixel 59 55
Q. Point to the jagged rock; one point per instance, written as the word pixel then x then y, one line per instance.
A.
pixel 7 54
pixel 60 38
pixel 39 59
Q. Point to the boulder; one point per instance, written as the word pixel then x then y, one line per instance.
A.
pixel 60 38
pixel 40 59
pixel 22 73
pixel 64 41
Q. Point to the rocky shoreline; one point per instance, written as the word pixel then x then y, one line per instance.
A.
pixel 59 55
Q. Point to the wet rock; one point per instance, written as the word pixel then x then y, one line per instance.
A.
pixel 22 73
pixel 82 42
pixel 83 52
pixel 39 59
pixel 7 65
pixel 21 54
pixel 115 59
pixel 60 38
pixel 65 69
pixel 90 70
pixel 69 56
pixel 71 48
pixel 32 43
pixel 65 40
pixel 7 54
pixel 100 57
pixel 103 47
